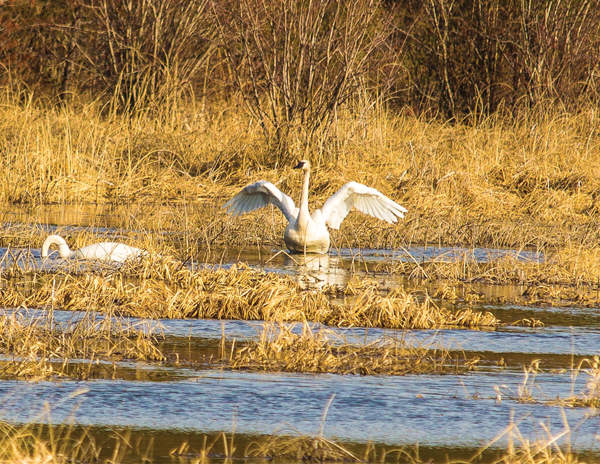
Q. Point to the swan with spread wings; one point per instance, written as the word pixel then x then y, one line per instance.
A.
pixel 308 233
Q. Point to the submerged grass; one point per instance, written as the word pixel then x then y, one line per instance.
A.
pixel 164 288
pixel 320 350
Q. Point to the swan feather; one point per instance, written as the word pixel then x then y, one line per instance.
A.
pixel 363 198
pixel 259 195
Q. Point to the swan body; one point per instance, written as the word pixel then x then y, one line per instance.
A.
pixel 307 233
pixel 109 251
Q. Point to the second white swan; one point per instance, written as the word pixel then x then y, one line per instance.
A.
pixel 308 233
pixel 108 251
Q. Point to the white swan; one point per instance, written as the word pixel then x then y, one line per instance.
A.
pixel 109 251
pixel 308 233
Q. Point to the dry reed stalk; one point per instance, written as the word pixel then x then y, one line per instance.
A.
pixel 321 350
pixel 547 448
pixel 590 396
pixel 34 443
pixel 165 288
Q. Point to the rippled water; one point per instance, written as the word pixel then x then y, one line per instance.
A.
pixel 444 411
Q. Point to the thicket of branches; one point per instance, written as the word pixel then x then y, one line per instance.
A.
pixel 294 62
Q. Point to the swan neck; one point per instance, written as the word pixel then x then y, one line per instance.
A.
pixel 304 197
pixel 63 249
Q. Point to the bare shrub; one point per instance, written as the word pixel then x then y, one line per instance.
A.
pixel 478 56
pixel 151 49
pixel 138 52
pixel 294 63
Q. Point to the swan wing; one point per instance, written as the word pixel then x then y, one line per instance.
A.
pixel 259 195
pixel 363 198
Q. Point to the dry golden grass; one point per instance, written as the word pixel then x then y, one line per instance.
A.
pixel 34 444
pixel 589 397
pixel 164 288
pixel 37 349
pixel 564 266
pixel 321 350
pixel 48 444
pixel 548 448
pixel 531 180
pixel 58 444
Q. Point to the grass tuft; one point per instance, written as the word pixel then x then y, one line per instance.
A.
pixel 42 348
pixel 164 288
pixel 321 350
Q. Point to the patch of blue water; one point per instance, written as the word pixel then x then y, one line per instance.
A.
pixel 448 410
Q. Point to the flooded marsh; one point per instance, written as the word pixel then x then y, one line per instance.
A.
pixel 253 353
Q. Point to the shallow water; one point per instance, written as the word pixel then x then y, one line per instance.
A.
pixel 384 409
pixel 439 412
pixel 390 410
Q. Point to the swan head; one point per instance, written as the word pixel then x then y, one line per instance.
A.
pixel 304 165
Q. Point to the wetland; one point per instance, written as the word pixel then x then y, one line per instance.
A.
pixel 248 352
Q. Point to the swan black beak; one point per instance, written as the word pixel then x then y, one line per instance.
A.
pixel 300 165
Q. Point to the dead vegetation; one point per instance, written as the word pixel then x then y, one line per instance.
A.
pixel 318 350
pixel 164 288
pixel 588 397
pixel 36 347
pixel 33 444
pixel 569 266
pixel 531 181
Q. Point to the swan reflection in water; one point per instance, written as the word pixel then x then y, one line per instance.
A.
pixel 316 270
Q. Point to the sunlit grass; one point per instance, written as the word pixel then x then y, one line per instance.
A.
pixel 319 350
pixel 165 288
pixel 528 181
pixel 40 348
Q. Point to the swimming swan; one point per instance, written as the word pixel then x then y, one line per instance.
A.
pixel 308 233
pixel 109 251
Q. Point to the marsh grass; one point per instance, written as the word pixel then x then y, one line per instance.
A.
pixel 38 347
pixel 530 392
pixel 319 350
pixel 303 448
pixel 26 445
pixel 35 443
pixel 526 181
pixel 589 396
pixel 164 288
pixel 548 447
pixel 38 444
pixel 563 275
pixel 573 266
